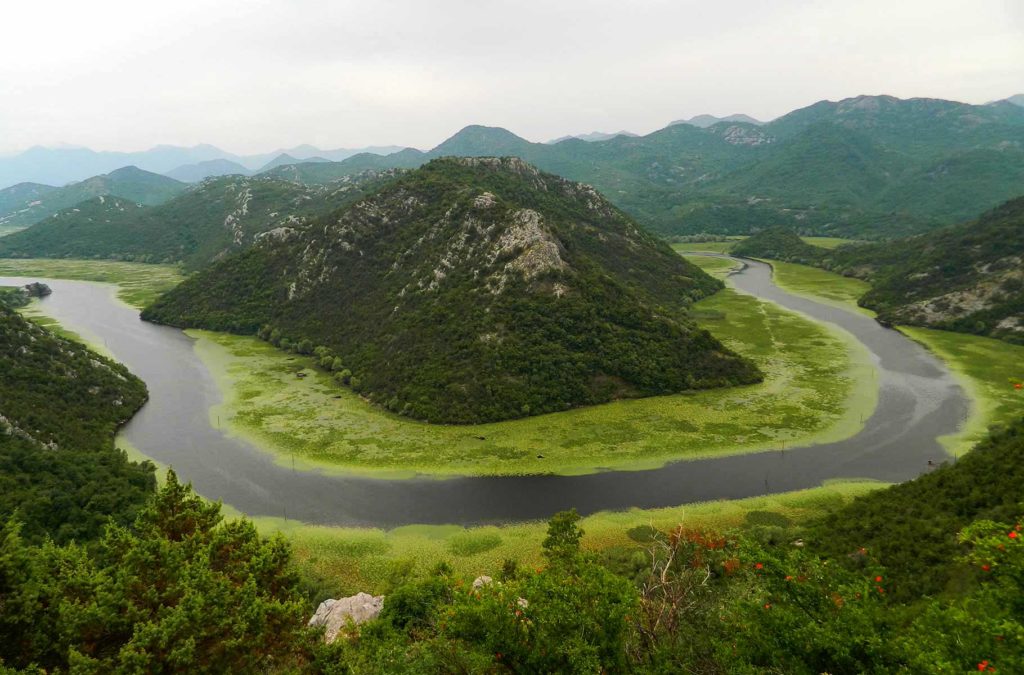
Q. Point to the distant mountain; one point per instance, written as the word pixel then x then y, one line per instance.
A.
pixel 305 152
pixel 322 173
pixel 705 121
pixel 22 196
pixel 194 173
pixel 864 167
pixel 64 164
pixel 285 159
pixel 476 141
pixel 473 289
pixel 130 183
pixel 869 166
pixel 594 136
pixel 58 166
pixel 1017 99
pixel 207 221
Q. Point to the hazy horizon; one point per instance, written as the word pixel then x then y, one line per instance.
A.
pixel 251 78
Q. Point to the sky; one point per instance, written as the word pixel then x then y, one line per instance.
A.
pixel 253 75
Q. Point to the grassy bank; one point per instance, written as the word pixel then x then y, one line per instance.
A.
pixel 726 246
pixel 348 560
pixel 987 369
pixel 821 285
pixel 817 388
pixel 138 284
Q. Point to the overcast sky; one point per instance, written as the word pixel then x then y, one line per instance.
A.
pixel 254 75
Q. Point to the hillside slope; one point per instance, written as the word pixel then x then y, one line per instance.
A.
pixel 917 547
pixel 129 183
pixel 473 290
pixel 60 405
pixel 209 220
pixel 967 278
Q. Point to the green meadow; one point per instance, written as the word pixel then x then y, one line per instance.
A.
pixel 821 285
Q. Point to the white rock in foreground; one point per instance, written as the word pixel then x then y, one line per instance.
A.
pixel 335 615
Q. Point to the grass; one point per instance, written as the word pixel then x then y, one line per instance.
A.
pixel 726 246
pixel 706 246
pixel 138 283
pixel 344 561
pixel 821 285
pixel 987 369
pixel 829 242
pixel 817 390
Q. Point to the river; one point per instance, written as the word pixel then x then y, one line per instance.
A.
pixel 919 400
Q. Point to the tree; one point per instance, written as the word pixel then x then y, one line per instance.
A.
pixel 178 591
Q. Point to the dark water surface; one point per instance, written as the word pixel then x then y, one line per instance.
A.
pixel 918 401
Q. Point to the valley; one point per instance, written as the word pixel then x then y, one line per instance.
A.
pixel 161 433
pixel 347 338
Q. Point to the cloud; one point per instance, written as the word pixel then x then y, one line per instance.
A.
pixel 258 74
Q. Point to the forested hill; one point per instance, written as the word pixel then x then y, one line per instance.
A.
pixel 205 222
pixel 473 290
pixel 967 278
pixel 60 405
pixel 918 545
pixel 24 204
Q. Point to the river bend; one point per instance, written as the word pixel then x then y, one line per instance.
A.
pixel 919 400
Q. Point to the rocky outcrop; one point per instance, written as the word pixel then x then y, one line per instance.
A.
pixel 343 615
pixel 37 289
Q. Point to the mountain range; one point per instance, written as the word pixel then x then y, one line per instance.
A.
pixel 594 136
pixel 864 167
pixel 705 121
pixel 59 166
pixel 472 290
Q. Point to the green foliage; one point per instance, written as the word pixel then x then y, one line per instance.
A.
pixel 61 404
pixel 430 297
pixel 779 243
pixel 178 591
pixel 566 619
pixel 917 547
